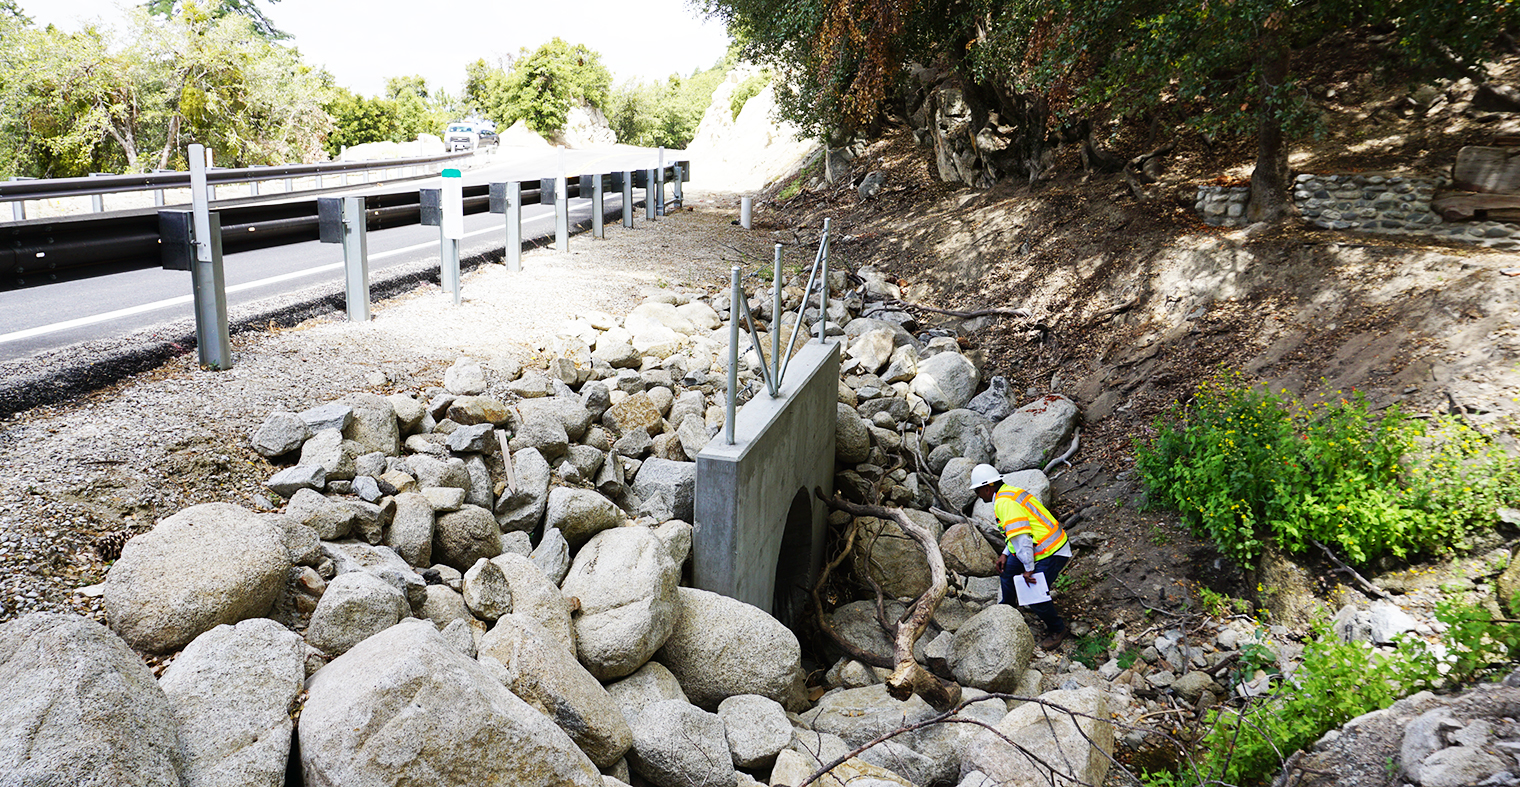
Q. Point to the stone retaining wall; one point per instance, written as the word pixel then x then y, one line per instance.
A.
pixel 1385 204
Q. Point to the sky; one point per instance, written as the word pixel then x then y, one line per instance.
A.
pixel 361 44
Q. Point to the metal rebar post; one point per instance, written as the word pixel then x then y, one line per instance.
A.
pixel 355 259
pixel 776 317
pixel 823 292
pixel 514 225
pixel 735 293
pixel 807 292
pixel 628 200
pixel 754 340
pixel 598 228
pixel 650 208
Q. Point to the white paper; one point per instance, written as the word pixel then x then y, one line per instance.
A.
pixel 1031 594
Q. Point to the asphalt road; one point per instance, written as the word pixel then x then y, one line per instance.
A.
pixel 41 319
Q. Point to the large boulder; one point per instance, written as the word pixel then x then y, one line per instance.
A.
pixel 537 668
pixel 674 482
pixel 891 557
pixel 722 647
pixel 793 769
pixel 280 434
pixel 522 506
pixel 382 562
pixel 1079 748
pixel 649 684
pixel 996 403
pixel 924 756
pixel 231 691
pixel 205 566
pixel 78 707
pixel 757 729
pixel 626 583
pixel 580 514
pixel 404 707
pixel 959 433
pixel 411 530
pixel 462 537
pixel 1034 433
pixel 538 597
pixel 992 649
pixel 967 552
pixel 374 425
pixel 552 555
pixel 570 412
pixel 356 606
pixel 946 381
pixel 852 442
pixel 681 745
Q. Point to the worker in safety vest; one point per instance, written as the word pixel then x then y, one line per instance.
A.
pixel 1036 542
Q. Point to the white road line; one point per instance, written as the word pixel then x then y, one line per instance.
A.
pixel 182 300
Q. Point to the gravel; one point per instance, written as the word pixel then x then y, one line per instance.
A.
pixel 101 460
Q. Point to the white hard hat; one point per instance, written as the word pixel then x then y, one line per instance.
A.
pixel 982 475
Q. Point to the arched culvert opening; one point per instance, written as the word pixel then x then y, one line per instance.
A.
pixel 794 562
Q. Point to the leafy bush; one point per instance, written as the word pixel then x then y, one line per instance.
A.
pixel 664 113
pixel 1247 745
pixel 1244 465
pixel 747 90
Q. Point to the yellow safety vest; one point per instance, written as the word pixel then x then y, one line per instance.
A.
pixel 1020 513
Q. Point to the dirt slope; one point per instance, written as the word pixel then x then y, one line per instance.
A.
pixel 1135 302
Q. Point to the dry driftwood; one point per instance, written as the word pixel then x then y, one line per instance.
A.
pixel 908 676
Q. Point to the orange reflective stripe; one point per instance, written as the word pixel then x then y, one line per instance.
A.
pixel 1049 534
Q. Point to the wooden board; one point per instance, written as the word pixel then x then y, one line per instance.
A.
pixel 1477 207
pixel 1488 170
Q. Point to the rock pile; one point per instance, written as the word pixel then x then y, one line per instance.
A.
pixel 480 584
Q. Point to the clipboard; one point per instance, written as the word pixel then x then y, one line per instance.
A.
pixel 1031 594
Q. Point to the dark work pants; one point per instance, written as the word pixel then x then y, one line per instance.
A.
pixel 1051 567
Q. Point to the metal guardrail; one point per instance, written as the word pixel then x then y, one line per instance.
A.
pixel 18 191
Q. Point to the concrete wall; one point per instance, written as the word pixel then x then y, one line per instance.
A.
pixel 747 492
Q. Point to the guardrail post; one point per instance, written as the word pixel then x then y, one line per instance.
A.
pixel 97 201
pixel 452 229
pixel 628 200
pixel 290 185
pixel 598 231
pixel 506 198
pixel 207 282
pixel 681 167
pixel 650 179
pixel 561 214
pixel 341 220
pixel 735 293
pixel 18 207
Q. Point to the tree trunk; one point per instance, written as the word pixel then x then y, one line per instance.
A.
pixel 1269 181
pixel 163 157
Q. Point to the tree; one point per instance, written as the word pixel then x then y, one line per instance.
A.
pixel 655 114
pixel 73 103
pixel 244 8
pixel 542 85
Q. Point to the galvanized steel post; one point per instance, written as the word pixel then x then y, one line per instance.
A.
pixel 451 230
pixel 823 291
pixel 97 201
pixel 513 210
pixel 650 209
pixel 776 318
pixel 746 210
pixel 355 259
pixel 598 222
pixel 735 293
pixel 209 288
pixel 561 207
pixel 628 200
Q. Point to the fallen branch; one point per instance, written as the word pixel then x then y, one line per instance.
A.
pixel 1076 440
pixel 1342 567
pixel 954 519
pixel 908 676
pixel 850 650
pixel 1141 599
pixel 1024 313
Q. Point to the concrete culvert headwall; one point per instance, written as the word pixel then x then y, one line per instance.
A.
pixel 759 526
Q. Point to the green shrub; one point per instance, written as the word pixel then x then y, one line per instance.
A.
pixel 1244 465
pixel 1336 682
pixel 747 90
